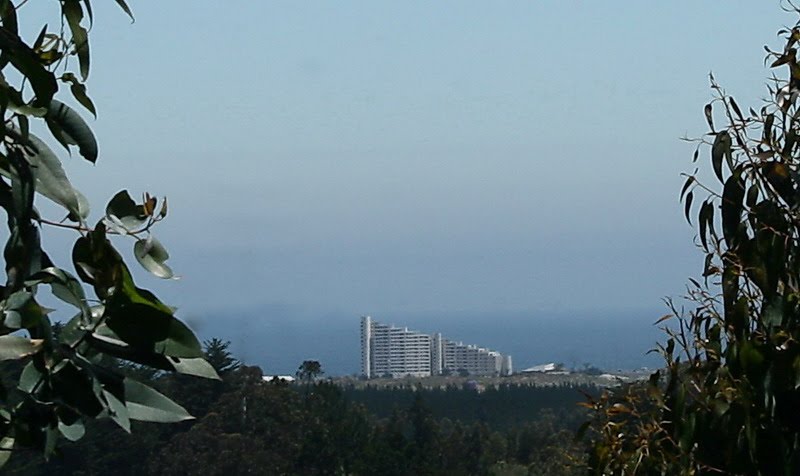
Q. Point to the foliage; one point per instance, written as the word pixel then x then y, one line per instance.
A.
pixel 108 449
pixel 727 401
pixel 309 370
pixel 65 378
pixel 502 407
pixel 248 426
pixel 217 354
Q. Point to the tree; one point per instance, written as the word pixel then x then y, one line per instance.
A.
pixel 256 427
pixel 198 396
pixel 309 370
pixel 63 379
pixel 217 354
pixel 727 401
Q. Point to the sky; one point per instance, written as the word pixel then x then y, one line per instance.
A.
pixel 430 162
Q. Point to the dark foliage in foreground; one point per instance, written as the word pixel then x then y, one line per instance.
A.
pixel 728 401
pixel 248 426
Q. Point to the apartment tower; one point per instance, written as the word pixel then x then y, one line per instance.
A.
pixel 390 351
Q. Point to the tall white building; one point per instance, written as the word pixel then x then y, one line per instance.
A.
pixel 392 351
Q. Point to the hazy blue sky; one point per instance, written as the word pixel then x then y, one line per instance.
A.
pixel 341 158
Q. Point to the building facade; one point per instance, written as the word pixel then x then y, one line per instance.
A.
pixel 389 351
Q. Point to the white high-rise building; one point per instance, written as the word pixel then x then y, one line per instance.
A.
pixel 393 351
pixel 389 351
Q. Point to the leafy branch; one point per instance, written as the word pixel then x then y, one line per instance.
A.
pixel 65 378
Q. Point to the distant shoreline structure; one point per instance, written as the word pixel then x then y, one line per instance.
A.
pixel 396 352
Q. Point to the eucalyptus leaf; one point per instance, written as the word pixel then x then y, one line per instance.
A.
pixel 29 378
pixel 731 207
pixel 147 328
pixel 197 366
pixel 719 150
pixel 124 6
pixel 74 129
pixel 74 330
pixel 16 347
pixel 64 286
pixel 26 61
pixel 51 180
pixel 6 447
pixel 50 441
pixel 29 110
pixel 22 311
pixel 8 13
pixel 123 212
pixel 146 404
pixel 73 432
pixel 151 254
pixel 71 9
pixel 117 411
pixel 78 91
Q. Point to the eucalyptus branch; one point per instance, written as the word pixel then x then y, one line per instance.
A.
pixel 85 229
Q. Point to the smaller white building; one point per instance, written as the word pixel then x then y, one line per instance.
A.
pixel 272 378
pixel 544 368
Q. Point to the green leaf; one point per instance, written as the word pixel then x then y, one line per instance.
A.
pixel 772 314
pixel 125 8
pixel 16 347
pixel 707 111
pixel 24 127
pixel 123 211
pixel 705 218
pixel 22 311
pixel 197 366
pixel 180 341
pixel 29 378
pixel 117 411
pixel 64 286
pixel 736 109
pixel 28 110
pixel 27 62
pixel 145 327
pixel 752 360
pixel 73 331
pixel 108 342
pixel 732 206
pixel 89 12
pixel 73 432
pixel 83 260
pixel 768 122
pixel 74 129
pixel 689 181
pixel 71 9
pixel 11 307
pixel 50 441
pixel 151 254
pixel 75 386
pixel 78 91
pixel 687 206
pixel 51 180
pixel 752 196
pixel 720 149
pixel 146 404
pixel 138 295
pixel 8 13
pixel 6 447
pixel 708 268
pixel 163 212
